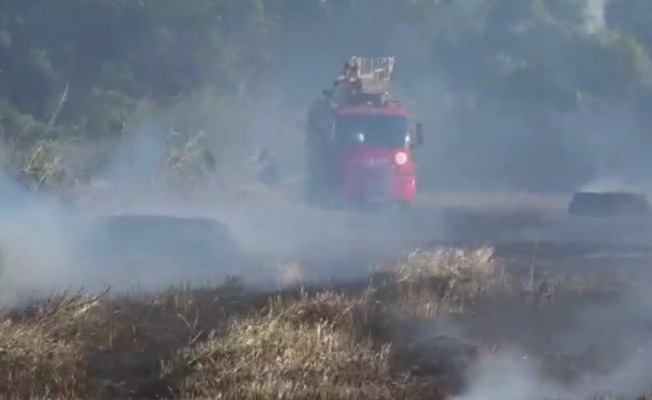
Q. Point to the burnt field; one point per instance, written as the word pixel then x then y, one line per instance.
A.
pixel 466 301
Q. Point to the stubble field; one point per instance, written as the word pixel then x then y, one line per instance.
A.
pixel 487 301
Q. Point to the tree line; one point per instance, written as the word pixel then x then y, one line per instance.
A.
pixel 516 77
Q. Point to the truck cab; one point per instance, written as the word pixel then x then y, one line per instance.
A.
pixel 360 142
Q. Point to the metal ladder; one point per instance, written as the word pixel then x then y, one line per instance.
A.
pixel 374 72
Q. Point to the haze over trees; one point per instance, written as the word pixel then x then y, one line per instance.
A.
pixel 528 94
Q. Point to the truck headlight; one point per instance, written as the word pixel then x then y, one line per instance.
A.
pixel 400 158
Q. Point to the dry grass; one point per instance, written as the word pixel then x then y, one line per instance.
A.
pixel 34 363
pixel 354 342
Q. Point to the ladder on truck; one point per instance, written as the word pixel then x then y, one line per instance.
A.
pixel 375 73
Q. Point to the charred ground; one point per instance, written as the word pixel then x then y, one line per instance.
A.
pixel 535 318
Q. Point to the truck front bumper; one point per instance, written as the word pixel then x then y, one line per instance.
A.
pixel 388 187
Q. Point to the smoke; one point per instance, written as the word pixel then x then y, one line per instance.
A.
pixel 595 15
pixel 512 375
pixel 47 247
pixel 37 235
pixel 507 376
pixel 599 348
pixel 605 138
pixel 134 167
pixel 469 146
pixel 630 380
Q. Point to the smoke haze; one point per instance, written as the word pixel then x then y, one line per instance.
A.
pixel 483 141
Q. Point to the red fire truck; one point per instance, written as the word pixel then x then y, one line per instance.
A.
pixel 359 141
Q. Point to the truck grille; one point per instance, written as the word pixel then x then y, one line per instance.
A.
pixel 377 183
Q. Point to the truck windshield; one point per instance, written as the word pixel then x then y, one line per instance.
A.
pixel 380 131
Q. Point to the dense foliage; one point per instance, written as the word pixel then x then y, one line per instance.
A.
pixel 527 93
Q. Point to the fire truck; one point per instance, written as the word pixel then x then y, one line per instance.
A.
pixel 360 141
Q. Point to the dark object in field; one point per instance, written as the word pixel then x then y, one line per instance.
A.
pixel 603 204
